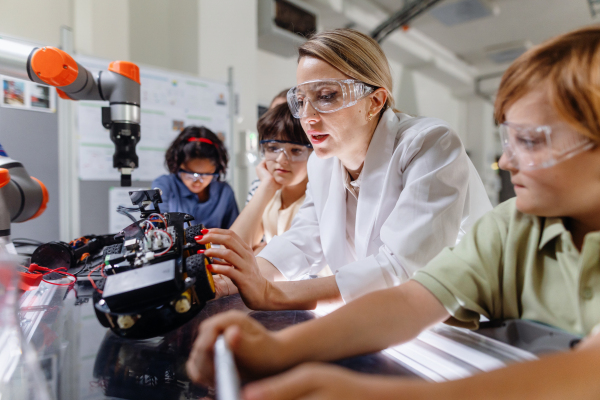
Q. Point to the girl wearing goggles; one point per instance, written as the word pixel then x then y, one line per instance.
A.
pixel 536 257
pixel 197 159
pixel 276 196
pixel 387 191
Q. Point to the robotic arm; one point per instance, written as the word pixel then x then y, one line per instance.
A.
pixel 119 85
pixel 22 197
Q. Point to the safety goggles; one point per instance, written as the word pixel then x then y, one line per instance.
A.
pixel 188 176
pixel 326 95
pixel 535 147
pixel 271 149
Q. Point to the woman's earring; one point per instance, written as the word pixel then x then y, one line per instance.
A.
pixel 370 117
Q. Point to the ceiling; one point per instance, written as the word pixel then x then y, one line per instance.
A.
pixel 522 21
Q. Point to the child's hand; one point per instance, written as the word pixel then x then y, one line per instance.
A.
pixel 265 176
pixel 256 350
pixel 590 341
pixel 315 382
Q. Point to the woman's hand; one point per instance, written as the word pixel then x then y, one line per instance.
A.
pixel 315 382
pixel 265 176
pixel 223 286
pixel 239 265
pixel 257 351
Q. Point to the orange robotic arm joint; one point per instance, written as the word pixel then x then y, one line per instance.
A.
pixel 54 66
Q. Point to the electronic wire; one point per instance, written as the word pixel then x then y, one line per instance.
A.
pixel 125 211
pixel 92 281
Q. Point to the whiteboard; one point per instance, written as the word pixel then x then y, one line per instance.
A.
pixel 169 101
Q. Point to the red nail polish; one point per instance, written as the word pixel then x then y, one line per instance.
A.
pixel 204 231
pixel 210 267
pixel 199 237
pixel 201 251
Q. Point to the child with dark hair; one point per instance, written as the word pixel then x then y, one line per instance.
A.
pixel 276 196
pixel 197 162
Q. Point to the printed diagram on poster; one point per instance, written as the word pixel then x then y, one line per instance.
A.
pixel 169 102
pixel 25 95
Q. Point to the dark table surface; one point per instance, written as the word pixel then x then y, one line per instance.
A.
pixel 84 360
pixel 81 359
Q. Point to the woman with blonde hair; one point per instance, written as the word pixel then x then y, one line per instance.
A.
pixel 534 257
pixel 386 191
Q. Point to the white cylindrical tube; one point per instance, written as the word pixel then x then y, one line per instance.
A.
pixel 13 58
pixel 226 375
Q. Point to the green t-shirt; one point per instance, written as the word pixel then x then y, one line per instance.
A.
pixel 516 265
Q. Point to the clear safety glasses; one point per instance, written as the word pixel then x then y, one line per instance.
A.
pixel 535 147
pixel 188 176
pixel 326 95
pixel 271 149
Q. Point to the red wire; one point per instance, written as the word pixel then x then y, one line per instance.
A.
pixel 60 271
pixel 164 221
pixel 60 284
pixel 167 250
pixel 92 281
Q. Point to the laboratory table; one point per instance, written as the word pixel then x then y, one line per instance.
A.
pixel 81 359
pixel 84 360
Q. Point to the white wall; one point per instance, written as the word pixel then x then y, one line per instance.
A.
pixel 184 31
pixel 470 116
pixel 101 28
pixel 417 94
pixel 482 143
pixel 436 100
pixel 154 32
pixel 149 24
pixel 274 74
pixel 228 39
pixel 164 34
pixel 404 89
pixel 38 21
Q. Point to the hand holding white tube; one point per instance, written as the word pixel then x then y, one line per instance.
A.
pixel 257 351
pixel 227 378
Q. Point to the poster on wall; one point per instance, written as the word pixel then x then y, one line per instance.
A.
pixel 169 102
pixel 25 95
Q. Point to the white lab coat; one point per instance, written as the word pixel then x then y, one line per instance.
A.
pixel 419 193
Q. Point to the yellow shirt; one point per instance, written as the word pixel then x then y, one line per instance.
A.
pixel 275 220
pixel 515 265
